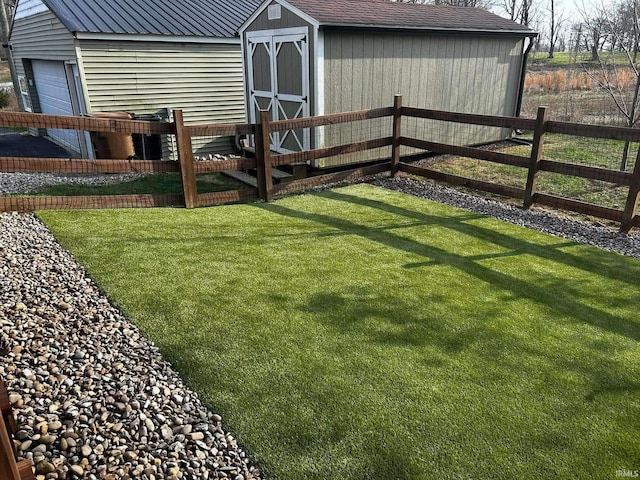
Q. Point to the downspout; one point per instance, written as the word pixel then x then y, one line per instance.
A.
pixel 523 74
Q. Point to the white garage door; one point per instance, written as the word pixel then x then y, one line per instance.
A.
pixel 53 93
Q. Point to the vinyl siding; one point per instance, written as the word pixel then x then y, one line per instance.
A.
pixel 41 36
pixel 203 80
pixel 461 74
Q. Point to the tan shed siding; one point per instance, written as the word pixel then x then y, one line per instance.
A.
pixel 42 36
pixel 460 74
pixel 204 80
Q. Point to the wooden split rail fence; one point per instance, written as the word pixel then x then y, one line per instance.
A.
pixel 185 164
pixel 534 163
pixel 9 468
pixel 265 160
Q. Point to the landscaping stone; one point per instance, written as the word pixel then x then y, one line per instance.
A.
pixel 76 367
pixel 11 183
pixel 551 222
pixel 77 470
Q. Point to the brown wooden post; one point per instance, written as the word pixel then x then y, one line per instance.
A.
pixel 6 410
pixel 185 158
pixel 25 470
pixel 631 207
pixel 536 156
pixel 263 157
pixel 8 467
pixel 395 146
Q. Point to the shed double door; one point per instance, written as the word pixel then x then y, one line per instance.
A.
pixel 278 71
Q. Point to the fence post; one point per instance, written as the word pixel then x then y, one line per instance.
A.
pixel 536 156
pixel 9 468
pixel 631 207
pixel 395 146
pixel 185 158
pixel 263 157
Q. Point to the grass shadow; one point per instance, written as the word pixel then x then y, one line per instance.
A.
pixel 600 262
pixel 569 306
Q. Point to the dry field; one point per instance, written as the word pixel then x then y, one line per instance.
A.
pixel 572 92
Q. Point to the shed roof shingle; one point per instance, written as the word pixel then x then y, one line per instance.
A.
pixel 384 13
pixel 210 18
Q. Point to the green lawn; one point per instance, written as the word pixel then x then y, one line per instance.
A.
pixel 559 58
pixel 157 183
pixel 360 333
pixel 573 58
pixel 560 148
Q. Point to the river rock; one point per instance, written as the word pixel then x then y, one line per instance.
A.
pixel 79 367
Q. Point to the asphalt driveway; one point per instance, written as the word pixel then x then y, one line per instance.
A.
pixel 13 144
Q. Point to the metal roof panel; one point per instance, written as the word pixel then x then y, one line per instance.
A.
pixel 210 18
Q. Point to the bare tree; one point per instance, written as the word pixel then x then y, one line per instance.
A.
pixel 521 11
pixel 597 24
pixel 625 23
pixel 556 26
pixel 611 70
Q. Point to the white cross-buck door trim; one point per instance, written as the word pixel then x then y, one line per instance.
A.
pixel 282 104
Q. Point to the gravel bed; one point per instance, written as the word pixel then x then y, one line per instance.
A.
pixel 93 397
pixel 11 183
pixel 546 221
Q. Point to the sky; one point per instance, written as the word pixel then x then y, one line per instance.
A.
pixel 571 8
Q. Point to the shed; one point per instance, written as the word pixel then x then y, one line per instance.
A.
pixel 305 57
pixel 76 57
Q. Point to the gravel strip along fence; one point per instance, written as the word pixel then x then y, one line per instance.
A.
pixel 607 238
pixel 11 183
pixel 93 397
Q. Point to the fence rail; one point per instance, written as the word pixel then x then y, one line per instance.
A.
pixel 265 160
pixel 89 124
pixel 593 131
pixel 308 155
pixel 514 123
pixel 333 119
pixel 82 165
pixel 535 163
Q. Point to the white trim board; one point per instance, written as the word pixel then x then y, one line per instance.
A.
pixel 126 37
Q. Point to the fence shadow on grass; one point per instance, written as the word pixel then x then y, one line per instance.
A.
pixel 345 311
pixel 567 305
pixel 598 262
